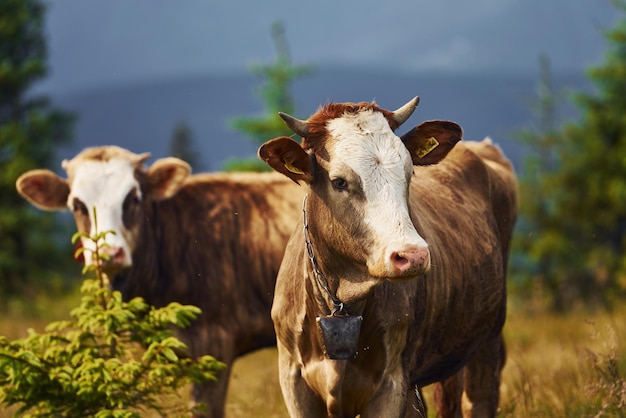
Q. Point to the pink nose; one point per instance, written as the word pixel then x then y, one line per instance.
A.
pixel 410 262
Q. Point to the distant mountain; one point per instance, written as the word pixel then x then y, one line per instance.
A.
pixel 142 117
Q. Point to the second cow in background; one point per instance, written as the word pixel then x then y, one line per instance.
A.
pixel 211 240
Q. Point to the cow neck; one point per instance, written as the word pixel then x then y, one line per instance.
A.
pixel 339 308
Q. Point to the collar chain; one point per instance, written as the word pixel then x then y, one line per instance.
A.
pixel 339 306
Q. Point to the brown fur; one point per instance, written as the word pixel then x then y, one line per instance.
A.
pixel 317 122
pixel 217 244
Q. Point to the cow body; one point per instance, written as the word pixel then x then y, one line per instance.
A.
pixel 419 252
pixel 211 240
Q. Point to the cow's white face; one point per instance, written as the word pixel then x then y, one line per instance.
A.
pixel 114 182
pixel 370 165
pixel 359 172
pixel 109 187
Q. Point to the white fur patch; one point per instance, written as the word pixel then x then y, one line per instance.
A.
pixel 365 143
pixel 104 186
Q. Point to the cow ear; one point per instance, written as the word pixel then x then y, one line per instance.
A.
pixel 44 189
pixel 166 176
pixel 431 141
pixel 286 156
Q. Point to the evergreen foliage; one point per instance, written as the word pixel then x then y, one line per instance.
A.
pixel 182 146
pixel 276 96
pixel 112 359
pixel 574 192
pixel 30 131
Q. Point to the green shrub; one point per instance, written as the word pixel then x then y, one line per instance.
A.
pixel 112 359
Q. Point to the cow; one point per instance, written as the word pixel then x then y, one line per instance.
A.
pixel 214 240
pixel 394 277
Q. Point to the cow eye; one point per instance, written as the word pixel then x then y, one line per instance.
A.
pixel 131 208
pixel 79 207
pixel 339 184
pixel 131 199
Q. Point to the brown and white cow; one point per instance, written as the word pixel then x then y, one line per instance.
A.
pixel 211 240
pixel 409 233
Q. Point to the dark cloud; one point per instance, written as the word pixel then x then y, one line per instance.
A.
pixel 96 42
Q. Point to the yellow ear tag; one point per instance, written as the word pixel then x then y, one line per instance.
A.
pixel 293 169
pixel 430 144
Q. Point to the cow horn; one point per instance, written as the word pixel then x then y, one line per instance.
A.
pixel 296 125
pixel 143 157
pixel 139 159
pixel 401 114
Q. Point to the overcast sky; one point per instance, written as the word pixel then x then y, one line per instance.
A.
pixel 95 42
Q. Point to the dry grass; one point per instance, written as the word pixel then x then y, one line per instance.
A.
pixel 558 366
pixel 565 366
pixel 254 389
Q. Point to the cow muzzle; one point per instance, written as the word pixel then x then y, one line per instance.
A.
pixel 402 264
pixel 410 263
pixel 114 260
pixel 111 261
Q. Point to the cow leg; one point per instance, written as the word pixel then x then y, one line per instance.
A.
pixel 390 399
pixel 212 395
pixel 218 343
pixel 482 380
pixel 447 396
pixel 300 400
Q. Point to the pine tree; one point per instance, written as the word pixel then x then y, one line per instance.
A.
pixel 30 129
pixel 578 236
pixel 113 358
pixel 540 139
pixel 182 146
pixel 276 96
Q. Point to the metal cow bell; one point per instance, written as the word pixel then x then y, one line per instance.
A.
pixel 340 335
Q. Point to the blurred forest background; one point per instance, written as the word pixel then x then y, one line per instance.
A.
pixel 565 133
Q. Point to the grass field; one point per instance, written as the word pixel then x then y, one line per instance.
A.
pixel 558 365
